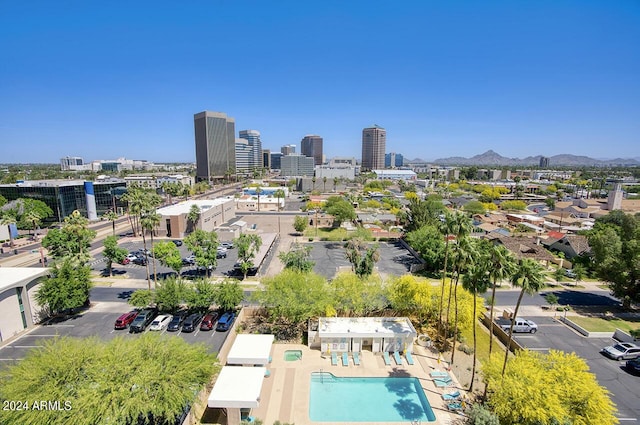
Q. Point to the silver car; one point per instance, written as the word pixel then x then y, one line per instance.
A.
pixel 623 350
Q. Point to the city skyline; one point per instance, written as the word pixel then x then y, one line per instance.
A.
pixel 521 79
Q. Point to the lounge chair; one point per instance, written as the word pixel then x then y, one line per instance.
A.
pixel 334 359
pixel 356 359
pixel 439 374
pixel 409 358
pixel 455 406
pixel 442 382
pixel 397 358
pixel 454 396
pixel 345 359
pixel 387 359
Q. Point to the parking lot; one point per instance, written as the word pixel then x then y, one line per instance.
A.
pixel 610 373
pixel 330 257
pixel 108 304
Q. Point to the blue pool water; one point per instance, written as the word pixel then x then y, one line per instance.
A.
pixel 335 399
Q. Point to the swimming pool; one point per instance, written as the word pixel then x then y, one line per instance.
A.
pixel 292 355
pixel 334 399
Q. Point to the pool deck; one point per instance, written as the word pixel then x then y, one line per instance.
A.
pixel 285 393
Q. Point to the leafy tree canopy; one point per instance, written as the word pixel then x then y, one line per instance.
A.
pixel 300 223
pixel 157 379
pixel 204 246
pixel 297 258
pixel 67 287
pixel 513 205
pixel 168 254
pixel 340 209
pixel 228 294
pixel 72 240
pixel 429 243
pixel 112 252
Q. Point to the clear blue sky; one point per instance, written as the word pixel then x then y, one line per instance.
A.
pixel 108 79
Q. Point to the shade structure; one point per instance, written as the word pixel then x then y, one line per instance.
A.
pixel 250 349
pixel 237 387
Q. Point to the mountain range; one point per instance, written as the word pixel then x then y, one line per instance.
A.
pixel 491 158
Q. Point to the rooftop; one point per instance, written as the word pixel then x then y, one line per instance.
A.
pixel 365 326
pixel 184 206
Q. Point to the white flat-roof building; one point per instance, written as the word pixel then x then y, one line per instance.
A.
pixel 18 307
pixel 355 334
pixel 395 174
pixel 251 349
pixel 237 389
pixel 213 213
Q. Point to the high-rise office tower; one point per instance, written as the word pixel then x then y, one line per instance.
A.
pixel 544 162
pixel 288 149
pixel 311 146
pixel 374 140
pixel 255 157
pixel 215 145
pixel 393 160
pixel 266 158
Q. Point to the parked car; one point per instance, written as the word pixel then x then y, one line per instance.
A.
pixel 160 322
pixel 191 323
pixel 144 252
pixel 519 325
pixel 189 261
pixel 177 242
pixel 633 365
pixel 221 253
pixel 125 261
pixel 227 245
pixel 569 273
pixel 144 318
pixel 141 261
pixel 225 321
pixel 125 320
pixel 176 322
pixel 131 257
pixel 622 350
pixel 208 321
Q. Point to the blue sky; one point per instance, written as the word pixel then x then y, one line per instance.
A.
pixel 104 80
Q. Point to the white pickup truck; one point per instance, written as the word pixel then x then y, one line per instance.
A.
pixel 520 325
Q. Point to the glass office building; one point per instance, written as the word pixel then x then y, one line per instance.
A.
pixel 66 196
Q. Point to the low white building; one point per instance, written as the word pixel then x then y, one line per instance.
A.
pixel 395 174
pixel 18 307
pixel 355 334
pixel 213 213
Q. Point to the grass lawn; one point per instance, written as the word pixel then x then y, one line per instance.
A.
pixel 597 324
pixel 482 341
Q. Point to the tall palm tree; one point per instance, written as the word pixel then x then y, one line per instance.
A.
pixel 463 257
pixel 7 218
pixel 502 266
pixel 150 222
pixel 313 180
pixel 324 184
pixel 279 194
pixel 258 191
pixel 447 228
pixel 112 217
pixel 34 218
pixel 193 216
pixel 477 280
pixel 529 276
pixel 335 183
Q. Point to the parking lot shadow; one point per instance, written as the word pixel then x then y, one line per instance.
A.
pixel 114 272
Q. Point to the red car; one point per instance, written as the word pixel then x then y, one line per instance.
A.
pixel 125 320
pixel 208 321
pixel 125 261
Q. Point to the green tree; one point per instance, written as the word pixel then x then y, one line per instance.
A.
pixel 3 200
pixel 300 223
pixel 362 256
pixel 513 205
pixel 615 248
pixel 142 298
pixel 479 414
pixel 279 194
pixel 423 212
pixel 294 296
pixel 149 222
pixel 66 288
pixel 354 296
pixel 73 239
pixel 258 192
pixel 112 217
pixel 297 258
pixel 170 293
pixel 113 253
pixel 228 294
pixel 502 265
pixel 248 246
pixel 169 255
pixel 202 295
pixel 579 272
pixel 324 184
pixel 30 213
pixel 204 246
pixel 159 377
pixel 192 218
pixel 335 183
pixel 428 242
pixel 474 207
pixel 340 209
pixel 7 218
pixel 539 388
pixel 529 276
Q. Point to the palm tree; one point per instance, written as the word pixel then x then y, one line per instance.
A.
pixel 193 216
pixel 335 183
pixel 460 228
pixel 502 266
pixel 279 194
pixel 112 217
pixel 150 222
pixel 258 191
pixel 313 180
pixel 447 227
pixel 477 280
pixel 34 218
pixel 529 276
pixel 7 218
pixel 324 184
pixel 463 256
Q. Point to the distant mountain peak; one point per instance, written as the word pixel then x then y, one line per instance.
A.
pixel 492 158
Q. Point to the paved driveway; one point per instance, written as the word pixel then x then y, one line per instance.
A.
pixel 624 387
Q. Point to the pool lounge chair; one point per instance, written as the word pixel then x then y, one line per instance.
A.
pixel 455 406
pixel 409 358
pixel 397 358
pixel 356 359
pixel 385 356
pixel 438 374
pixel 334 359
pixel 454 396
pixel 345 359
pixel 443 382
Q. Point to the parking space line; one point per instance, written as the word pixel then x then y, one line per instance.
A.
pixel 45 335
pixel 59 326
pixel 213 332
pixel 9 360
pixel 24 346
